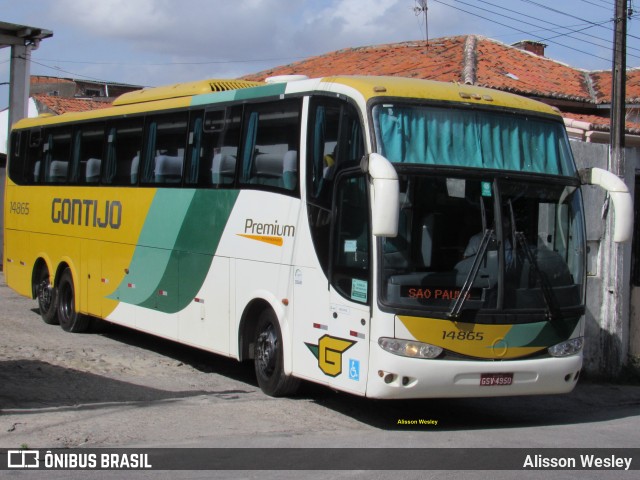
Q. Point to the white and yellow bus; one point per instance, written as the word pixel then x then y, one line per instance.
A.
pixel 387 237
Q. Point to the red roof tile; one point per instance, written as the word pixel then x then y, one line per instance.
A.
pixel 45 79
pixel 508 68
pixel 468 59
pixel 602 85
pixel 475 60
pixel 60 105
pixel 442 60
pixel 601 123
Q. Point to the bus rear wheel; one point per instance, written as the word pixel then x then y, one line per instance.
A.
pixel 70 320
pixel 47 296
pixel 268 358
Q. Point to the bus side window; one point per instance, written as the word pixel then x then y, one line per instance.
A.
pixel 334 139
pixel 34 157
pixel 271 145
pixel 57 150
pixel 17 160
pixel 87 154
pixel 123 152
pixel 194 149
pixel 165 144
pixel 219 152
pixel 350 267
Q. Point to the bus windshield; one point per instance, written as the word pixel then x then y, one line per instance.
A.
pixel 526 238
pixel 458 137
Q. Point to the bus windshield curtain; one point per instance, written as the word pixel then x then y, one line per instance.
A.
pixel 195 152
pixel 249 146
pixel 474 139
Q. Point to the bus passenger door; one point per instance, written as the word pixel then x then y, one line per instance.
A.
pixel 332 325
pixel 351 280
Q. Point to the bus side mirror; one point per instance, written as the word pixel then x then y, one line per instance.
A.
pixel 619 194
pixel 385 203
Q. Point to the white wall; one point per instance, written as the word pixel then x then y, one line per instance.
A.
pixel 4 123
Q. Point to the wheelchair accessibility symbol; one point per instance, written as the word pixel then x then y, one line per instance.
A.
pixel 354 369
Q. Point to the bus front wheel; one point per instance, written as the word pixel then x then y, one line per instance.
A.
pixel 47 296
pixel 268 358
pixel 70 320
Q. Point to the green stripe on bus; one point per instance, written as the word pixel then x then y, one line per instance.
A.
pixel 218 97
pixel 170 276
pixel 153 252
pixel 541 334
pixel 272 90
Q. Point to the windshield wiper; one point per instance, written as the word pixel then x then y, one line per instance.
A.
pixel 553 312
pixel 471 276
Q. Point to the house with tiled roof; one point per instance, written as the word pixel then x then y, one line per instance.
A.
pixel 583 97
pixel 75 88
pixel 59 105
pixel 57 95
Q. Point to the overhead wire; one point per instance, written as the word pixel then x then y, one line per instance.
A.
pixel 587 22
pixel 550 39
pixel 515 28
pixel 564 31
pixel 75 75
pixel 166 64
pixel 162 64
pixel 599 5
pixel 547 22
pixel 560 12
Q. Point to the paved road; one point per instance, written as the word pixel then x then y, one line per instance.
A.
pixel 120 388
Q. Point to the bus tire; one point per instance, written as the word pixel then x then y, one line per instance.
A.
pixel 268 358
pixel 47 296
pixel 70 320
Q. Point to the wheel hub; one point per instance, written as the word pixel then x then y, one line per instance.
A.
pixel 266 351
pixel 44 294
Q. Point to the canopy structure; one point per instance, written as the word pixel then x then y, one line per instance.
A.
pixel 22 39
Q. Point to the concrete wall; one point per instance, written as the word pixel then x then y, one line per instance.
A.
pixel 634 327
pixel 608 303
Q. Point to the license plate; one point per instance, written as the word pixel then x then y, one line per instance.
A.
pixel 495 379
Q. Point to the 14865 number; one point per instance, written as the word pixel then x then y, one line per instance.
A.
pixel 462 335
pixel 19 208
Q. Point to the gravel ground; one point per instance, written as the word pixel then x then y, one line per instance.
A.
pixel 116 387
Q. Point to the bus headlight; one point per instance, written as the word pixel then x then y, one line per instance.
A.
pixel 564 349
pixel 409 348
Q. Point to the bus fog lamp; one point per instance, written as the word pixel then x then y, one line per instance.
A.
pixel 564 349
pixel 408 348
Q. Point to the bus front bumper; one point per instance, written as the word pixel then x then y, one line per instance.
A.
pixel 393 376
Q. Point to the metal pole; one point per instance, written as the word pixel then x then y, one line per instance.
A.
pixel 618 91
pixel 20 83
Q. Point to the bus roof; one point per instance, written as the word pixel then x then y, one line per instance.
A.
pixel 372 86
pixel 213 91
pixel 182 90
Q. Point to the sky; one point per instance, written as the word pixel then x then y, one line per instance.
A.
pixel 159 42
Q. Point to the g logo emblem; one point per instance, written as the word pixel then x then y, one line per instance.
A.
pixel 329 353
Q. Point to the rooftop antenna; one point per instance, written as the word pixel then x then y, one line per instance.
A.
pixel 422 8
